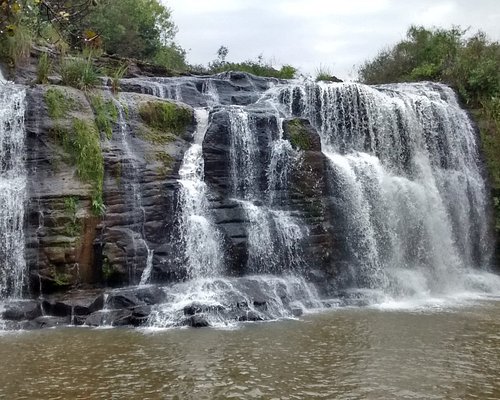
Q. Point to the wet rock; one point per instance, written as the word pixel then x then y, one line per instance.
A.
pixel 140 315
pixel 135 296
pixel 197 321
pixel 297 311
pixel 45 322
pixel 109 317
pixel 73 303
pixel 250 316
pixel 21 310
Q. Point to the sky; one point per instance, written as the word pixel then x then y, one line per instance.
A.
pixel 337 35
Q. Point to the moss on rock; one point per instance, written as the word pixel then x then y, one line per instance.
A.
pixel 166 117
pixel 299 136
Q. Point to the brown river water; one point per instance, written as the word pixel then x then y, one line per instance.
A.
pixel 349 353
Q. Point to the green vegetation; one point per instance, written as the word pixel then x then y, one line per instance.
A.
pixel 116 75
pixel 469 64
pixel 106 114
pixel 166 117
pixel 78 72
pixel 58 104
pixel 73 228
pixel 166 161
pixel 61 278
pixel 155 136
pixel 299 137
pixel 323 74
pixel 258 67
pixel 140 29
pixel 84 148
pixel 43 69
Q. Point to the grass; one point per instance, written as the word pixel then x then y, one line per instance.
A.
pixel 323 74
pixel 298 135
pixel 79 73
pixel 166 117
pixel 15 46
pixel 58 104
pixel 43 69
pixel 84 149
pixel 116 75
pixel 106 114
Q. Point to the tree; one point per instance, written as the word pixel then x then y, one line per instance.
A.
pixel 133 28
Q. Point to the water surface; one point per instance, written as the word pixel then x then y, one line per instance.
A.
pixel 350 353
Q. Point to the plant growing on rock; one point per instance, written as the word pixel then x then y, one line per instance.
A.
pixel 166 117
pixel 78 72
pixel 58 104
pixel 106 114
pixel 43 69
pixel 84 149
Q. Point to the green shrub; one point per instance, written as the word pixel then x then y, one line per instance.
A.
pixel 106 114
pixel 58 104
pixel 79 73
pixel 166 117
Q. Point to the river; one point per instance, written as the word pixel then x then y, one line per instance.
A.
pixel 434 352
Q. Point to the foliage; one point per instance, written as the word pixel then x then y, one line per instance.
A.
pixel 258 67
pixel 470 65
pixel 140 29
pixel 84 148
pixel 165 117
pixel 43 69
pixel 298 135
pixel 58 104
pixel 106 114
pixel 78 72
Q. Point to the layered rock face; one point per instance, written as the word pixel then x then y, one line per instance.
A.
pixel 70 240
pixel 277 201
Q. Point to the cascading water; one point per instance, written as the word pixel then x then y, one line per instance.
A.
pixel 12 190
pixel 273 235
pixel 202 241
pixel 220 299
pixel 405 168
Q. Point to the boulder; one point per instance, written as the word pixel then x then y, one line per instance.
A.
pixel 22 310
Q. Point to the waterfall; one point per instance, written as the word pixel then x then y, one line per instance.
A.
pixel 202 241
pixel 406 171
pixel 274 236
pixel 12 190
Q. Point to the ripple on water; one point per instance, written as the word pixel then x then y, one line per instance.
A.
pixel 341 354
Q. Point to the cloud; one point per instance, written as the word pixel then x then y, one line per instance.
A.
pixel 311 33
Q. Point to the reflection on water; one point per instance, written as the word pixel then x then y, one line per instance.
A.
pixel 342 354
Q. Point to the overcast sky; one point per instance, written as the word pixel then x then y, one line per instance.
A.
pixel 338 35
